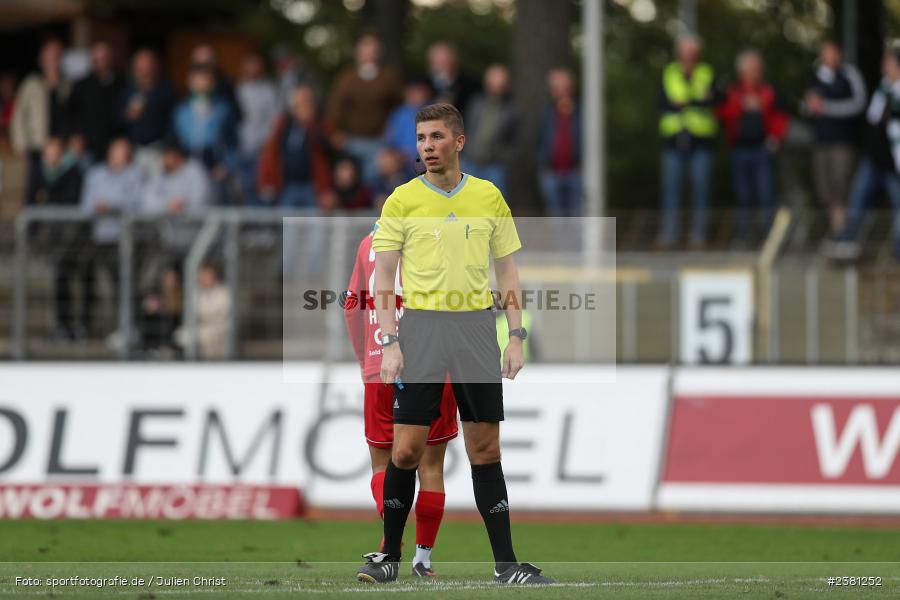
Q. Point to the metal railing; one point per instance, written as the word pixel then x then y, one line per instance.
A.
pixel 212 224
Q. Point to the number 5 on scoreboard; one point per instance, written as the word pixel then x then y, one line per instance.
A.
pixel 716 317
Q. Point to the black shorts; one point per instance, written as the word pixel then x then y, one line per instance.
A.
pixel 461 344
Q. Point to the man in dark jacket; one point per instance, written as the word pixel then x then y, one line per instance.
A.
pixel 60 178
pixel 450 84
pixel 834 102
pixel 60 185
pixel 145 106
pixel 559 147
pixel 94 102
pixel 878 169
pixel 491 121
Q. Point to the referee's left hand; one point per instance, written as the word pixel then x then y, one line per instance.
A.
pixel 513 358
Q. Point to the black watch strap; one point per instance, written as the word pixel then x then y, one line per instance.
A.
pixel 519 333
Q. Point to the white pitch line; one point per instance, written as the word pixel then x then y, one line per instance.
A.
pixel 473 585
pixel 453 586
pixel 466 585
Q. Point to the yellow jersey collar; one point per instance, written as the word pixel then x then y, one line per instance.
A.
pixel 445 194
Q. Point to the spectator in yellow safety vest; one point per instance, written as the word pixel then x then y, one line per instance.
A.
pixel 688 128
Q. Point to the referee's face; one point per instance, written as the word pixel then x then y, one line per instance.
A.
pixel 438 148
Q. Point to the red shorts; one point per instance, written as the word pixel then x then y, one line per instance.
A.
pixel 379 416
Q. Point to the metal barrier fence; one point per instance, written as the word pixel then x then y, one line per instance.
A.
pixel 808 310
pixel 214 225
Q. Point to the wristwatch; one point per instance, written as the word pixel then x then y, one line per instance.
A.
pixel 520 333
pixel 389 338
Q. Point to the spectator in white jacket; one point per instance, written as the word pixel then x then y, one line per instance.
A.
pixel 39 112
pixel 213 310
pixel 111 189
pixel 180 189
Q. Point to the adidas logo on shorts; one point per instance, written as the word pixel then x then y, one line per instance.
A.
pixel 396 404
pixel 450 217
pixel 502 506
pixel 395 504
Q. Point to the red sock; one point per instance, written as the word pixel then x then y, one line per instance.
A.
pixel 378 491
pixel 429 512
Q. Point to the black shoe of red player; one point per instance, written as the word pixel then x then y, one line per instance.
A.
pixel 420 570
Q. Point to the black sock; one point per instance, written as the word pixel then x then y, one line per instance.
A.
pixel 493 504
pixel 399 490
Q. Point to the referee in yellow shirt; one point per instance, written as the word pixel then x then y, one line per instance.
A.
pixel 446 225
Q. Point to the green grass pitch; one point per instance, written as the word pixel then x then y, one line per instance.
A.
pixel 319 559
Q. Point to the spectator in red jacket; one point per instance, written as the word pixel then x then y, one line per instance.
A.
pixel 755 124
pixel 295 164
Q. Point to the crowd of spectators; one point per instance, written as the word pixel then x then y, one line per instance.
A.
pixel 755 120
pixel 116 143
pixel 272 141
pixel 279 141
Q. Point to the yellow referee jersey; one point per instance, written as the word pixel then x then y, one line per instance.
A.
pixel 446 239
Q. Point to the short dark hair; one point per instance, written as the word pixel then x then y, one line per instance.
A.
pixel 447 113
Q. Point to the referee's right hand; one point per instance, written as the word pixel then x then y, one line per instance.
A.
pixel 391 363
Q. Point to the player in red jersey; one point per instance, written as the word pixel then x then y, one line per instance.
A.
pixel 362 325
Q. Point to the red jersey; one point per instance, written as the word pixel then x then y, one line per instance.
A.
pixel 752 127
pixel 362 323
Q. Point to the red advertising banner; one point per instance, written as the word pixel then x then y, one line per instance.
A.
pixel 769 439
pixel 176 502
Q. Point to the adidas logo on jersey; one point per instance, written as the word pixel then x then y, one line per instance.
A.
pixel 450 217
pixel 502 506
pixel 395 504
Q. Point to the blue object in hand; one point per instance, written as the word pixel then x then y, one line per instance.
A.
pixel 398 383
